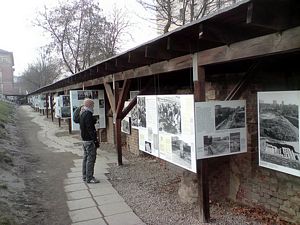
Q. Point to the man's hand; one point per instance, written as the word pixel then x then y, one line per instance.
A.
pixel 97 144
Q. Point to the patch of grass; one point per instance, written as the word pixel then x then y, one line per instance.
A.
pixel 3 186
pixel 5 112
pixel 4 220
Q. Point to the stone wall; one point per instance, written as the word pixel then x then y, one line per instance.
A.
pixel 132 141
pixel 110 130
pixel 248 183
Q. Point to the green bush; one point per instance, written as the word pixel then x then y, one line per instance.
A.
pixel 5 112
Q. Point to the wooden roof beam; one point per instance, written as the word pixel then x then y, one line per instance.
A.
pixel 159 53
pixel 208 33
pixel 140 59
pixel 284 14
pixel 124 64
pixel 109 68
pixel 276 43
pixel 177 45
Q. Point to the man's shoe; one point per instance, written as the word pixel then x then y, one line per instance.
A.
pixel 93 181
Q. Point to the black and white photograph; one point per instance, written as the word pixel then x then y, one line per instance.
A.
pixel 65 112
pixel 94 94
pixel 101 103
pixel 235 142
pixel 125 125
pixel 279 130
pixel 181 152
pixel 215 145
pixel 87 94
pixel 141 107
pixel 134 117
pixel 66 101
pixel 229 117
pixel 133 94
pixel 169 114
pixel 148 147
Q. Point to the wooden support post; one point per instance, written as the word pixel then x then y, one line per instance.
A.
pixel 202 165
pixel 120 100
pixel 119 141
pixel 110 96
pixel 59 123
pixel 51 106
pixel 47 104
pixel 70 126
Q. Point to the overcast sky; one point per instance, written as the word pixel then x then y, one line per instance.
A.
pixel 20 37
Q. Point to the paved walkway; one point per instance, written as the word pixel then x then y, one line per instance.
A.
pixel 89 204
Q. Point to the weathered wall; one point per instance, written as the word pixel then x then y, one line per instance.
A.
pixel 250 184
pixel 110 130
pixel 132 141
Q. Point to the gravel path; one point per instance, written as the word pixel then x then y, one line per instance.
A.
pixel 151 191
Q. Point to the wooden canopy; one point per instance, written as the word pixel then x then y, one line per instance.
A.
pixel 250 28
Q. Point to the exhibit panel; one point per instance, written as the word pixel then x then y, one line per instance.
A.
pixel 166 128
pixel 147 124
pixel 76 100
pixel 220 128
pixel 65 109
pixel 41 102
pixel 278 131
pixel 177 130
pixel 57 107
pixel 126 122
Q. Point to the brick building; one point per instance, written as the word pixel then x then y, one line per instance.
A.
pixel 6 72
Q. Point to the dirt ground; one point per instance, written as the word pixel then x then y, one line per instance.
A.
pixel 31 177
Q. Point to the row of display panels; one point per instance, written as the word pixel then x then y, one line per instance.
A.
pixel 174 128
pixel 38 101
pixel 180 131
pixel 65 105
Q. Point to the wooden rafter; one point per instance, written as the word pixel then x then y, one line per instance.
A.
pixel 122 97
pixel 110 96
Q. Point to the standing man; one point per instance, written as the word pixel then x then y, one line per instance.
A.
pixel 90 141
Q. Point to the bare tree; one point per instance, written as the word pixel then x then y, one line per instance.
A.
pixel 43 71
pixel 81 33
pixel 180 12
pixel 164 11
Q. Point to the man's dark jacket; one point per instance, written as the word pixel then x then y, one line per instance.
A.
pixel 87 126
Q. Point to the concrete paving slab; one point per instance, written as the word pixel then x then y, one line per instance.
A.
pixel 101 176
pixel 76 169
pixel 78 194
pixel 103 183
pixel 81 203
pixel 99 221
pixel 74 174
pixel 103 191
pixel 106 199
pixel 85 214
pixel 114 208
pixel 100 170
pixel 77 160
pixel 101 164
pixel 75 187
pixel 74 180
pixel 128 218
